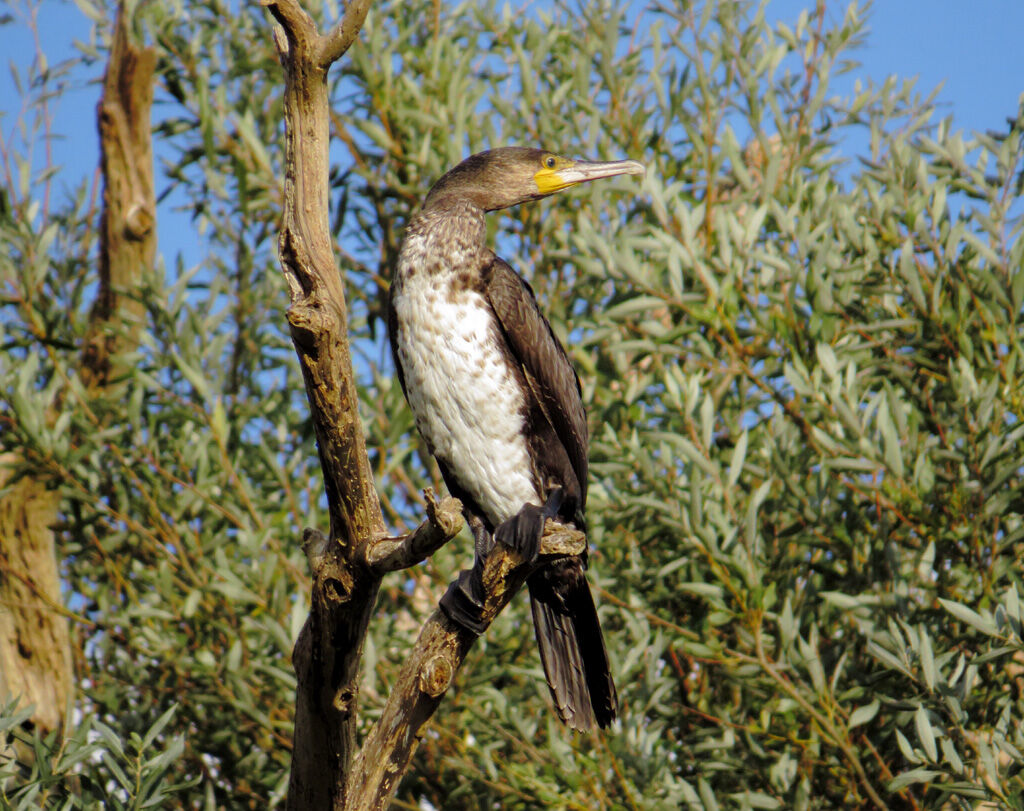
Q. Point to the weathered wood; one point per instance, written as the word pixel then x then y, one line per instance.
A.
pixel 35 641
pixel 35 645
pixel 128 221
pixel 347 565
pixel 443 522
pixel 431 668
pixel 326 656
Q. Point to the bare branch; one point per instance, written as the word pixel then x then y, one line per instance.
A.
pixel 347 566
pixel 327 654
pixel 334 45
pixel 127 232
pixel 431 667
pixel 294 25
pixel 298 29
pixel 443 522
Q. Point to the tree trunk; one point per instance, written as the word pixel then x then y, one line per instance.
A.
pixel 128 222
pixel 328 771
pixel 35 641
pixel 35 645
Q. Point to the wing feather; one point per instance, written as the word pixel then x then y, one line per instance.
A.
pixel 546 367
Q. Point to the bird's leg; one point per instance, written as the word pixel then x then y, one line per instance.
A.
pixel 483 541
pixel 464 600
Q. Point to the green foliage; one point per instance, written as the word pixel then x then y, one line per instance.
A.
pixel 93 767
pixel 804 374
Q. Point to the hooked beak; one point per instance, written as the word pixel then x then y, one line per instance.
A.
pixel 582 171
pixel 550 181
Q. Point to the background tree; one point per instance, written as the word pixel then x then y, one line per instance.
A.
pixel 803 374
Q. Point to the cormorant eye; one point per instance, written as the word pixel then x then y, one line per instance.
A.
pixel 549 161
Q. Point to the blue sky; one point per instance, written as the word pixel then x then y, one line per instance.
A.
pixel 973 49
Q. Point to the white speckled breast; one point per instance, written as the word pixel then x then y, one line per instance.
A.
pixel 466 402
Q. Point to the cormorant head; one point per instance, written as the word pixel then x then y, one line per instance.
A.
pixel 505 177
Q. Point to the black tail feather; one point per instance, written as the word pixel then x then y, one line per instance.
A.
pixel 571 645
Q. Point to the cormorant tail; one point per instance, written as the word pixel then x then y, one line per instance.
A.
pixel 571 645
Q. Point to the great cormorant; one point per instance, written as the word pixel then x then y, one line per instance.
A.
pixel 499 404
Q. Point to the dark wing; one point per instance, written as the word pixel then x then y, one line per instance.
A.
pixel 550 376
pixel 393 338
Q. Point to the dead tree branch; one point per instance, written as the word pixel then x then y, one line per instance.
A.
pixel 35 641
pixel 327 653
pixel 430 670
pixel 327 771
pixel 128 222
pixel 444 520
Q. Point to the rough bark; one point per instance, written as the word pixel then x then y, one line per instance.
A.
pixel 431 668
pixel 127 224
pixel 327 653
pixel 35 641
pixel 35 644
pixel 327 771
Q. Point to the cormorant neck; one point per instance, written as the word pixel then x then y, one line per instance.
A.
pixel 456 201
pixel 448 232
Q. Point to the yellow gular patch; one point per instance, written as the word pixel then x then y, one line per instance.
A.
pixel 549 180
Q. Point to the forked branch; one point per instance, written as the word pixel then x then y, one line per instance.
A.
pixel 430 669
pixel 443 522
pixel 348 565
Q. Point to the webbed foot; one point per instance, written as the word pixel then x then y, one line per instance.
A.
pixel 522 532
pixel 463 603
